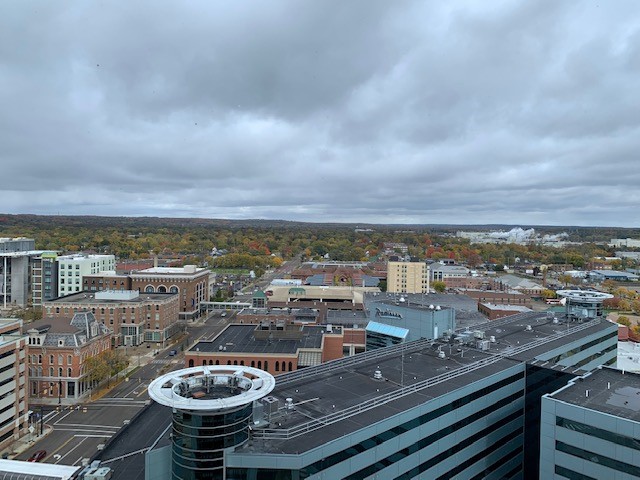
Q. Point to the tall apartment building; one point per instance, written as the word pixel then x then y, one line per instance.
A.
pixel 44 278
pixel 72 268
pixel 57 351
pixel 407 277
pixel 134 317
pixel 13 379
pixel 591 427
pixel 19 261
pixel 189 282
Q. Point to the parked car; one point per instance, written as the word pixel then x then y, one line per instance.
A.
pixel 38 456
pixel 173 353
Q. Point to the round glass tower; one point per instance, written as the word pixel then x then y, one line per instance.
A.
pixel 212 410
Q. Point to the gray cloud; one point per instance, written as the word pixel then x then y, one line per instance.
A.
pixel 368 111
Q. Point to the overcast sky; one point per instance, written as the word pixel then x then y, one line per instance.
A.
pixel 516 112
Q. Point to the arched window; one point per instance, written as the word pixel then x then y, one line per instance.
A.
pixel 174 289
pixel 217 362
pixel 68 372
pixel 210 362
pixel 235 362
pixel 290 366
pixel 191 362
pixel 266 366
pixel 204 362
pixel 242 362
pixel 149 289
pixel 228 362
pixel 259 363
pixel 277 366
pixel 253 363
pixel 162 289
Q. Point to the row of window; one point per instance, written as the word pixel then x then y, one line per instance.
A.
pixel 592 431
pixel 279 366
pixel 37 359
pixel 597 458
pixel 37 372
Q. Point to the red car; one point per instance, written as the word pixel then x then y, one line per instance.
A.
pixel 37 456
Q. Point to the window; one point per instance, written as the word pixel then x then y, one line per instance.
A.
pixel 69 359
pixel 50 359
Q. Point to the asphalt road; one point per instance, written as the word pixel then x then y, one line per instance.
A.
pixel 78 432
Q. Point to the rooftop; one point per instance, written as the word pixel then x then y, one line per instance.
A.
pixel 238 338
pixel 510 308
pixel 35 471
pixel 609 390
pixel 412 372
pixel 88 298
pixel 211 387
pixel 186 270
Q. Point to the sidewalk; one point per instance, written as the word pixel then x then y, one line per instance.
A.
pixel 24 443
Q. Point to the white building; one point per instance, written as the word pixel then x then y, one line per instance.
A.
pixel 624 242
pixel 71 269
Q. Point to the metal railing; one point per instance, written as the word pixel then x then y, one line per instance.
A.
pixel 315 424
pixel 346 362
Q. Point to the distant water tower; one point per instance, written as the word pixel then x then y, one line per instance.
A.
pixel 212 409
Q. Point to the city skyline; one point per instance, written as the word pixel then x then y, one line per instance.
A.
pixel 360 112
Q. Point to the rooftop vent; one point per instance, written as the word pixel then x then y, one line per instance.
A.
pixel 288 403
pixel 528 328
pixel 377 375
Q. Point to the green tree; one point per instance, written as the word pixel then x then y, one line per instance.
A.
pixel 439 286
pixel 624 320
pixel 97 370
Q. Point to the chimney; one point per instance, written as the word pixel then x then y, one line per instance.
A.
pixel 155 261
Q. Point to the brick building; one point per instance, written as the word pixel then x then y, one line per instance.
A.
pixel 57 351
pixel 13 379
pixel 133 317
pixel 493 311
pixel 189 282
pixel 499 297
pixel 275 347
pixel 105 281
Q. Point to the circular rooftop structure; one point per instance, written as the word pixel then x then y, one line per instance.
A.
pixel 589 296
pixel 211 388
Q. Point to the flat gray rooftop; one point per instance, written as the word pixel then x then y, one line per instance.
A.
pixel 240 339
pixel 335 393
pixel 88 298
pixel 610 391
pixel 319 395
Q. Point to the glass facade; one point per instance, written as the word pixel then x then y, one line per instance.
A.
pixel 513 423
pixel 540 381
pixel 199 440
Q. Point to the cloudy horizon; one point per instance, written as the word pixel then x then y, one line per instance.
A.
pixel 517 113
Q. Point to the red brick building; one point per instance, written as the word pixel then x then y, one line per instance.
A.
pixel 133 317
pixel 57 350
pixel 274 347
pixel 189 282
pixel 493 312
